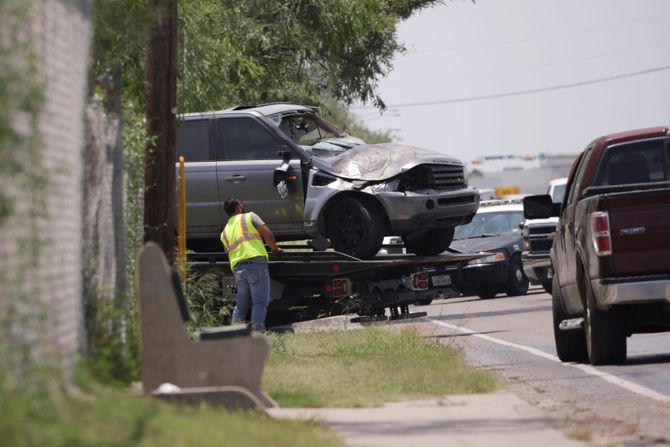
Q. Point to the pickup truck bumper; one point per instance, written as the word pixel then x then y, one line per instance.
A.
pixel 537 267
pixel 631 290
pixel 411 210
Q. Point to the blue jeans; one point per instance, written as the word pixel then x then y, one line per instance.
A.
pixel 253 291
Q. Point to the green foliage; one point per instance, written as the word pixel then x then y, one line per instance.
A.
pixel 21 99
pixel 366 367
pixel 338 115
pixel 255 51
pixel 205 299
pixel 102 416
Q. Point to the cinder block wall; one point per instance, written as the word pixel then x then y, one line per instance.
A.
pixel 46 289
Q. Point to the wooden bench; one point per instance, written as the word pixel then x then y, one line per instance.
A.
pixel 223 365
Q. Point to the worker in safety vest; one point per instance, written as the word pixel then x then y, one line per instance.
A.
pixel 243 239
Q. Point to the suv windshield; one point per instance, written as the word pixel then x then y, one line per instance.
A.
pixel 490 224
pixel 313 133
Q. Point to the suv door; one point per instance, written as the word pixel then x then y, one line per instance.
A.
pixel 248 153
pixel 194 139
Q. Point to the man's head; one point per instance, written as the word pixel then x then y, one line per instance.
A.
pixel 233 206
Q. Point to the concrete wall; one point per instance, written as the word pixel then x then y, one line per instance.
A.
pixel 44 279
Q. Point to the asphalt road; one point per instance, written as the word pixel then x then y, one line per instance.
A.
pixel 513 336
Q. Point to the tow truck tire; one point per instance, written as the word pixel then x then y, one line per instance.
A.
pixel 355 229
pixel 517 282
pixel 570 345
pixel 605 332
pixel 431 243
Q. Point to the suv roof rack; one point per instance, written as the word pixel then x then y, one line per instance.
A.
pixel 252 106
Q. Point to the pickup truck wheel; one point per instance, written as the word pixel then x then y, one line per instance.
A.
pixel 570 345
pixel 354 229
pixel 605 332
pixel 517 282
pixel 432 242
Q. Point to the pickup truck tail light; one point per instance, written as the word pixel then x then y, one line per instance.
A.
pixel 600 232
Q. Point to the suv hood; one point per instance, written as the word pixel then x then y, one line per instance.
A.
pixel 377 162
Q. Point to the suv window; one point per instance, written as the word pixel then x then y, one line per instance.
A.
pixel 193 140
pixel 641 162
pixel 245 139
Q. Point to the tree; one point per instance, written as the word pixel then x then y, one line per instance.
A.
pixel 161 102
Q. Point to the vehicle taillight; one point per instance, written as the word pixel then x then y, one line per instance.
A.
pixel 600 232
pixel 420 281
pixel 340 287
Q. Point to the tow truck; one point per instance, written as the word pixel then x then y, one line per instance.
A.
pixel 307 284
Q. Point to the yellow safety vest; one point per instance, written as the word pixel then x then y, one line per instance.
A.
pixel 242 240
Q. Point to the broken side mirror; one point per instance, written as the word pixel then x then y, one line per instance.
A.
pixel 280 180
pixel 540 207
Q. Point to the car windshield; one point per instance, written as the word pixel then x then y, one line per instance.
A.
pixel 557 193
pixel 490 224
pixel 304 128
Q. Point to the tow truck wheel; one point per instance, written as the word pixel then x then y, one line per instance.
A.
pixel 605 332
pixel 354 229
pixel 570 345
pixel 430 243
pixel 517 282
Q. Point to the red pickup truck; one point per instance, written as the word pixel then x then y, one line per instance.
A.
pixel 611 251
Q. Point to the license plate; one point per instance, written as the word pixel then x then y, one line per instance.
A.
pixel 441 280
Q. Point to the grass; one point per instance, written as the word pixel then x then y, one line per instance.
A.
pixel 365 368
pixel 103 416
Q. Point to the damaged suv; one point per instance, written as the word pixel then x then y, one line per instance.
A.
pixel 309 180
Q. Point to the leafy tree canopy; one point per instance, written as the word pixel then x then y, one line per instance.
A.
pixel 238 52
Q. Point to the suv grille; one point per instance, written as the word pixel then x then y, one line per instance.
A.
pixel 446 177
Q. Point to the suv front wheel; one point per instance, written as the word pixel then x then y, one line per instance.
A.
pixel 355 229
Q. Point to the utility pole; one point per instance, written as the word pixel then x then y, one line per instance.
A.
pixel 161 102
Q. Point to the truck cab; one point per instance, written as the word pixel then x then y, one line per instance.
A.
pixel 611 253
pixel 537 234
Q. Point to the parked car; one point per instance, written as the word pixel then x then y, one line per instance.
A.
pixel 537 240
pixel 611 255
pixel 494 229
pixel 308 179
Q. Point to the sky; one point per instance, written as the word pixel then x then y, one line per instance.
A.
pixel 494 48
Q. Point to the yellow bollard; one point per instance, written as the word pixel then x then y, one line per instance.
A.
pixel 181 236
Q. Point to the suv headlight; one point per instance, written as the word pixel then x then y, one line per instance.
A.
pixel 390 186
pixel 498 256
pixel 526 231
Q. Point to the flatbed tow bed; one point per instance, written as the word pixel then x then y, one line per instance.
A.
pixel 311 284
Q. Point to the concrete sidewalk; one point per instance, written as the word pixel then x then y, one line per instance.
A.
pixel 496 419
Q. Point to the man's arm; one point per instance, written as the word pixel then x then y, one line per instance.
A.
pixel 269 238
